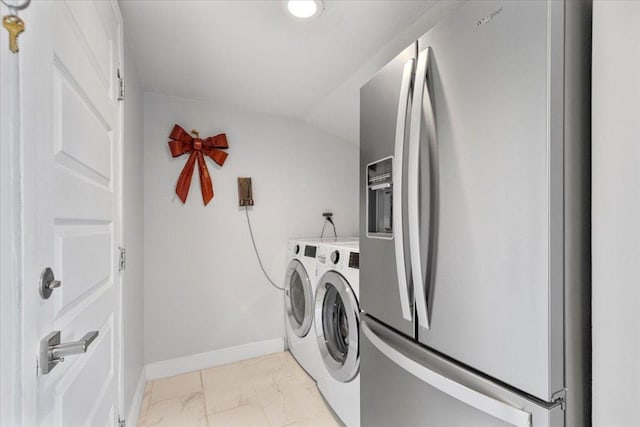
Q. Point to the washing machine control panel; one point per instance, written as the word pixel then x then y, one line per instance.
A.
pixel 296 249
pixel 338 259
pixel 310 251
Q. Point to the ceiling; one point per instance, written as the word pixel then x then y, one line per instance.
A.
pixel 252 55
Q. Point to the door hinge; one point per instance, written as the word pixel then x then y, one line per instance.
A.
pixel 121 422
pixel 560 398
pixel 122 263
pixel 120 86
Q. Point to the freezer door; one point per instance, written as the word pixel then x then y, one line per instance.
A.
pixel 385 287
pixel 403 384
pixel 493 251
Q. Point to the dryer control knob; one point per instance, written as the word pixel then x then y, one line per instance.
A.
pixel 296 249
pixel 335 257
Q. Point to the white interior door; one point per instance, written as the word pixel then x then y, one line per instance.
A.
pixel 71 137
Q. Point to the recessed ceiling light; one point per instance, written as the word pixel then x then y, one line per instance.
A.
pixel 304 9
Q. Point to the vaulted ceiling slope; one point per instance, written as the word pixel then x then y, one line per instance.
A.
pixel 252 55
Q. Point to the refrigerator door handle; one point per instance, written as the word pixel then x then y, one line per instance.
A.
pixel 397 214
pixel 413 184
pixel 473 398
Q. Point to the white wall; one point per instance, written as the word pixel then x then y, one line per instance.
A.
pixel 339 111
pixel 132 229
pixel 616 213
pixel 203 287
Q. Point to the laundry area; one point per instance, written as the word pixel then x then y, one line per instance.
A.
pixel 319 213
pixel 266 390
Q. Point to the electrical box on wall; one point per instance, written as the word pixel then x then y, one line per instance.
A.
pixel 245 192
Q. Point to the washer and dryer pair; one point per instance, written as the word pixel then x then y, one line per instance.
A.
pixel 323 319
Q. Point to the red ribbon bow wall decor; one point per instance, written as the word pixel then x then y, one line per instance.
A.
pixel 181 143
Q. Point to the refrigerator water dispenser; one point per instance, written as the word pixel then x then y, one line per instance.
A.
pixel 380 199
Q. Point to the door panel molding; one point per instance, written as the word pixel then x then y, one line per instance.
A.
pixel 72 123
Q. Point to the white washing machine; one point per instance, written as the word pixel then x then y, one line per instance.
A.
pixel 299 291
pixel 337 327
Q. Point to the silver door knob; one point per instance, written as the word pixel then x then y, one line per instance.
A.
pixel 53 352
pixel 48 283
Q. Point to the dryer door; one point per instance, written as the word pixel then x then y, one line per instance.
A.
pixel 298 297
pixel 337 317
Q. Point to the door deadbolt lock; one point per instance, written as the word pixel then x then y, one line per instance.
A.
pixel 53 352
pixel 48 283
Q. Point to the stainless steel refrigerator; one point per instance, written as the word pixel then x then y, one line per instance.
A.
pixel 474 213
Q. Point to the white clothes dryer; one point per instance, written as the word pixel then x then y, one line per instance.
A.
pixel 337 327
pixel 299 292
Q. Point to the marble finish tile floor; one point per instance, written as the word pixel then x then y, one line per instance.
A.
pixel 270 391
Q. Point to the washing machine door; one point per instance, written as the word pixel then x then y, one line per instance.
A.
pixel 298 297
pixel 337 317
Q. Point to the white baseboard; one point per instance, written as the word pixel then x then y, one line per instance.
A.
pixel 195 362
pixel 134 410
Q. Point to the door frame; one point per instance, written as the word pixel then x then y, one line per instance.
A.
pixel 10 236
pixel 15 365
pixel 119 215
